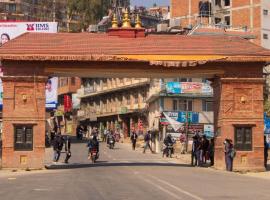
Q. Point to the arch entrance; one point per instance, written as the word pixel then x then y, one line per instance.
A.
pixel 235 67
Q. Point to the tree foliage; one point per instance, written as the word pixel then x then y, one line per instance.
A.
pixel 88 11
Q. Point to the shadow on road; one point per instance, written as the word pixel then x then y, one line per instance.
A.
pixel 106 164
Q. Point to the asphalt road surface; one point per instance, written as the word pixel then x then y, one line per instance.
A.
pixel 122 174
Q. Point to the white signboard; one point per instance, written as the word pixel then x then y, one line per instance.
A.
pixel 208 130
pixel 11 30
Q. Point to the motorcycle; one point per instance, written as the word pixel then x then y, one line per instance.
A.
pixel 111 143
pixel 93 155
pixel 168 150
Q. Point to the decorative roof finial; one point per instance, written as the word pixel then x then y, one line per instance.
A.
pixel 126 20
pixel 138 22
pixel 114 21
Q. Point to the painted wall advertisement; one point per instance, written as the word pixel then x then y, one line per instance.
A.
pixel 188 88
pixel 11 30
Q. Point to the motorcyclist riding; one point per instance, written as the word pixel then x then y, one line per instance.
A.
pixel 168 142
pixel 93 144
pixel 110 140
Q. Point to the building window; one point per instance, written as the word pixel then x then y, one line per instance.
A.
pixel 182 80
pixel 128 99
pixel 73 81
pixel 182 105
pixel 23 137
pixel 205 8
pixel 227 2
pixel 227 20
pixel 218 2
pixel 265 36
pixel 243 138
pixel 136 101
pixel 265 12
pixel 207 106
pixel 217 20
pixel 11 7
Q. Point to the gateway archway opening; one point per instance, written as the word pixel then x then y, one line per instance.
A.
pixel 236 73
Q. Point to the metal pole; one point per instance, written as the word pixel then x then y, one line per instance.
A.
pixel 186 130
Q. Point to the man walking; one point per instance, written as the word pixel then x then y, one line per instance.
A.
pixel 147 139
pixel 57 147
pixel 67 149
pixel 182 143
pixel 228 150
pixel 133 138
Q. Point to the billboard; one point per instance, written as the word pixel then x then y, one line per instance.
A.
pixel 51 93
pixel 188 88
pixel 11 30
pixel 193 117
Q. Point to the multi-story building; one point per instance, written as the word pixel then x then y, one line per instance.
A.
pixel 67 87
pixel 180 99
pixel 250 15
pixel 115 103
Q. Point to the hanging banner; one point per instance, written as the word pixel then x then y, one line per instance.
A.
pixel 174 123
pixel 67 103
pixel 75 101
pixel 188 88
pixel 208 130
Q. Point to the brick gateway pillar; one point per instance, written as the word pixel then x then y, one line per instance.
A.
pixel 23 121
pixel 239 116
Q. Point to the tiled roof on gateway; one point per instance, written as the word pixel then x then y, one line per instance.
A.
pixel 66 45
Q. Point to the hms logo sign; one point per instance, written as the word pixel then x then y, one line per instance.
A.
pixel 38 27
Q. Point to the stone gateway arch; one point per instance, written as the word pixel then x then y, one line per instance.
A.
pixel 234 65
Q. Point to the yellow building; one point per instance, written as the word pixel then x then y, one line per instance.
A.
pixel 115 103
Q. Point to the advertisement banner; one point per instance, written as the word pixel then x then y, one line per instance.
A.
pixel 67 103
pixel 266 124
pixel 208 130
pixel 11 30
pixel 188 88
pixel 51 93
pixel 193 117
pixel 76 101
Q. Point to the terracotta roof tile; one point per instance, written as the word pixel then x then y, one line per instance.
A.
pixel 85 45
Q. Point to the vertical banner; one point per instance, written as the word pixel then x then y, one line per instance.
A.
pixel 67 103
pixel 51 93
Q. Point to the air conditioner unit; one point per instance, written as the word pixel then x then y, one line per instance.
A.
pixel 175 22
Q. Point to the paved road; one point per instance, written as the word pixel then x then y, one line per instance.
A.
pixel 122 174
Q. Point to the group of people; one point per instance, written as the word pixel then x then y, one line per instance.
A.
pixel 202 150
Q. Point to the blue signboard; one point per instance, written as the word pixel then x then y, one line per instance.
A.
pixel 173 87
pixel 193 117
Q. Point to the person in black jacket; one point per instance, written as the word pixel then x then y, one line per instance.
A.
pixel 266 147
pixel 133 139
pixel 67 149
pixel 57 147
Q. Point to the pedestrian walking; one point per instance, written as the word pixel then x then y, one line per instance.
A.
pixel 182 143
pixel 67 148
pixel 57 147
pixel 195 144
pixel 147 139
pixel 205 146
pixel 199 152
pixel 229 154
pixel 211 151
pixel 133 139
pixel 266 147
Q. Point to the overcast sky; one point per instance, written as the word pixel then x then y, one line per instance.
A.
pixel 148 3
